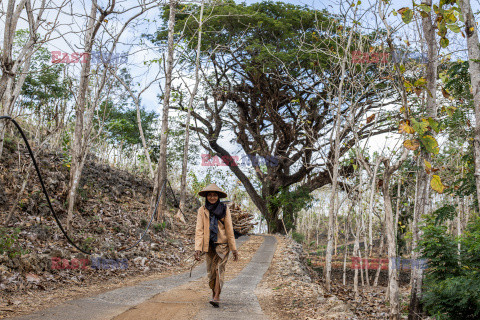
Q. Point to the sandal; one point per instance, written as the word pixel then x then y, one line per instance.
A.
pixel 215 303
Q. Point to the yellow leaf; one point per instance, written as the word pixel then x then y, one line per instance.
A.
pixel 411 144
pixel 436 184
pixel 405 127
pixel 428 166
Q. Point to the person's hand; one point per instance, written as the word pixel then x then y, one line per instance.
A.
pixel 197 255
pixel 235 255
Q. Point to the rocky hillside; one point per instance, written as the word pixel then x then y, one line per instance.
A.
pixel 111 214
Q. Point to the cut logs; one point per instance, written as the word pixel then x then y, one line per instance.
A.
pixel 242 220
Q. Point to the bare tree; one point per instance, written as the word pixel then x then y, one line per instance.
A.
pixel 193 93
pixel 391 239
pixel 136 98
pixel 162 162
pixel 15 69
pixel 471 32
pixel 84 111
pixel 422 193
pixel 86 103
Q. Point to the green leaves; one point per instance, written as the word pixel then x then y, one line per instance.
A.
pixel 452 285
pixel 455 28
pixel 430 144
pixel 8 237
pixel 433 124
pixel 444 213
pixel 407 14
pixel 419 127
pixel 425 8
pixel 444 42
pixel 421 82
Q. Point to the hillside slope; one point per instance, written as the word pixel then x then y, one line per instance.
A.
pixel 111 214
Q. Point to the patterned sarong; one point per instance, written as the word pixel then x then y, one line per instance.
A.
pixel 216 261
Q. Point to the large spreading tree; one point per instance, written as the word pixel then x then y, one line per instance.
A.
pixel 269 79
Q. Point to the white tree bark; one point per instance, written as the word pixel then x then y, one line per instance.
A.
pixel 415 310
pixel 183 183
pixel 335 165
pixel 471 33
pixel 356 253
pixel 11 81
pixel 162 162
pixel 370 206
pixel 391 243
pixel 84 113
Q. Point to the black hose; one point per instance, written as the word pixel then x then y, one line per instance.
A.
pixel 50 204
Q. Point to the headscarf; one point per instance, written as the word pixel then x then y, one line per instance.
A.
pixel 217 211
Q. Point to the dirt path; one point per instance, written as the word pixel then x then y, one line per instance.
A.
pixel 190 301
pixel 239 299
pixel 175 297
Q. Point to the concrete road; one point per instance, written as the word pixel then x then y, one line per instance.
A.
pixel 238 299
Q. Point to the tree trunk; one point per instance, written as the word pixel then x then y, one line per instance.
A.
pixel 11 83
pixel 370 206
pixel 356 249
pixel 3 128
pixel 416 309
pixel 84 115
pixel 331 220
pixel 183 183
pixel 364 229
pixel 392 273
pixel 380 252
pixel 471 32
pixel 11 20
pixel 397 210
pixel 162 162
pixel 335 165
pixel 459 223
pixel 76 166
pixel 274 223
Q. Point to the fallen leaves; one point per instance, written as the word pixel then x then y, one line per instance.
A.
pixel 288 291
pixel 112 205
pixel 30 277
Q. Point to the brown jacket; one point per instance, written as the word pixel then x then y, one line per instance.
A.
pixel 202 232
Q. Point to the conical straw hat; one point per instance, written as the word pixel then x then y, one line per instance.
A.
pixel 210 188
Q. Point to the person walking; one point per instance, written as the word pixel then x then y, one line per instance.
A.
pixel 214 236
